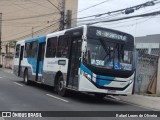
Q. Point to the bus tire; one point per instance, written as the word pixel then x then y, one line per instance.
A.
pixel 100 95
pixel 26 81
pixel 61 87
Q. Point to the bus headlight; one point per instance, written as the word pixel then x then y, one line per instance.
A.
pixel 88 76
pixel 130 81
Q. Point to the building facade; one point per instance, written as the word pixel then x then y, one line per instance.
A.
pixel 147 62
pixel 148 44
pixel 30 18
pixel 22 19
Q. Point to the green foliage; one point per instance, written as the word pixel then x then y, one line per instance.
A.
pixel 12 44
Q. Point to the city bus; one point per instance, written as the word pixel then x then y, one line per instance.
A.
pixel 86 59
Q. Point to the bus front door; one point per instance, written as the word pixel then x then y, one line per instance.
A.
pixel 75 54
pixel 40 58
pixel 20 60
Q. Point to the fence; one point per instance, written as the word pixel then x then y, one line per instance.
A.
pixel 147 65
pixel 6 61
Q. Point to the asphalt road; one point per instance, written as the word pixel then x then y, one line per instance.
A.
pixel 16 96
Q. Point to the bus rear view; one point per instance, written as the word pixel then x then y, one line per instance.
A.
pixel 107 62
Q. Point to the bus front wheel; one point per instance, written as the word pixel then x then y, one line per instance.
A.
pixel 61 87
pixel 26 81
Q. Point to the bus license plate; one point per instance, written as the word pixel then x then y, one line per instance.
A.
pixel 111 91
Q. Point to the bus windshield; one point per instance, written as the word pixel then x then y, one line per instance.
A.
pixel 109 55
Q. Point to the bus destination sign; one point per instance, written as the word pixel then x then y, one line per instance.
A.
pixel 111 35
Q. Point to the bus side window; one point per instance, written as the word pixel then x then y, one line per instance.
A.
pixel 63 47
pixel 34 49
pixel 17 51
pixel 51 47
pixel 26 52
pixel 30 50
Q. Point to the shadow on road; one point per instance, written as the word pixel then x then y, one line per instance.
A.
pixel 77 96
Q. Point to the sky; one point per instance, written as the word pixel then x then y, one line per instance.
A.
pixel 137 26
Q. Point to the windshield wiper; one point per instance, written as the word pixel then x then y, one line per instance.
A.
pixel 104 47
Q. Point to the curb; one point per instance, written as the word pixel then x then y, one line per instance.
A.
pixel 7 70
pixel 138 105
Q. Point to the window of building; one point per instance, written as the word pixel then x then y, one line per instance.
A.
pixel 51 47
pixel 142 52
pixel 63 47
pixel 155 51
pixel 17 51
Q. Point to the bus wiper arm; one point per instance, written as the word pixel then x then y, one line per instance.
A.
pixel 105 48
pixel 103 45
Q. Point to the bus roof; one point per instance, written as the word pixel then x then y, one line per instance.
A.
pixel 63 32
pixel 39 38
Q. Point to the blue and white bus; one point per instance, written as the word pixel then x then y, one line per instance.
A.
pixel 87 59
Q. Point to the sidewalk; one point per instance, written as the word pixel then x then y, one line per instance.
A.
pixel 145 101
pixel 7 70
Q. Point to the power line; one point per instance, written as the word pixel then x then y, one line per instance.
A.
pixel 93 6
pixel 36 32
pixel 22 7
pixel 124 18
pixel 43 15
pixel 40 4
pixel 131 24
pixel 10 35
pixel 136 7
pixel 119 22
pixel 54 5
pixel 61 10
pixel 149 3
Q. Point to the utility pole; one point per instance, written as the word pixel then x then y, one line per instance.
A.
pixel 68 19
pixel 6 49
pixel 0 36
pixel 61 10
pixel 62 13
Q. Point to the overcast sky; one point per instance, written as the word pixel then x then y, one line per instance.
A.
pixel 136 27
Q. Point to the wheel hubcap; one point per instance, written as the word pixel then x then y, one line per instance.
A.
pixel 25 79
pixel 61 85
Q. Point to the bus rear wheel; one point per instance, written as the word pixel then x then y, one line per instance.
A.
pixel 61 87
pixel 100 95
pixel 26 81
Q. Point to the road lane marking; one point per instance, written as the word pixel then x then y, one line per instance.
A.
pixel 57 98
pixel 18 84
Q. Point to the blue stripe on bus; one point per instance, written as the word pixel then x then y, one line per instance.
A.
pixel 105 77
pixel 100 80
pixel 104 80
pixel 85 69
pixel 39 39
pixel 33 61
